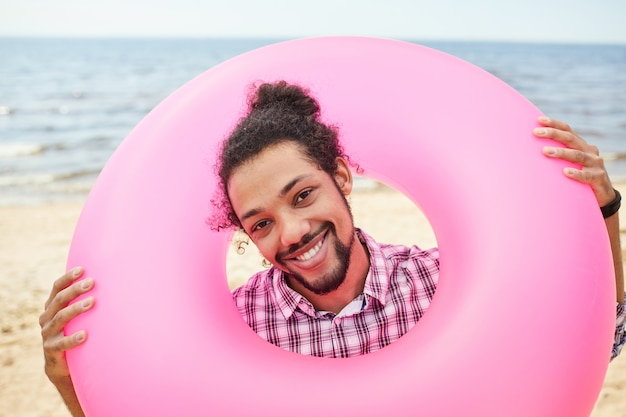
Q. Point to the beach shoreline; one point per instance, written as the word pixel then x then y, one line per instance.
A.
pixel 35 241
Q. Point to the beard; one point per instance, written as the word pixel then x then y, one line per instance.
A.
pixel 331 280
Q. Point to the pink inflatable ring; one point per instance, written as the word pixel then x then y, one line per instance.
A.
pixel 522 321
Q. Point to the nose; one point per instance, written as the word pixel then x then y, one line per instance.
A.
pixel 293 228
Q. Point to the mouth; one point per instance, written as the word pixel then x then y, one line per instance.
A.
pixel 311 252
pixel 308 251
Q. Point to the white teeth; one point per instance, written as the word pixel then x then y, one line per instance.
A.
pixel 311 253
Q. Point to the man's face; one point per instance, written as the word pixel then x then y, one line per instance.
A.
pixel 296 214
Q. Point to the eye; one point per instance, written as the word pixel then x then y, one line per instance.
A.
pixel 260 225
pixel 303 195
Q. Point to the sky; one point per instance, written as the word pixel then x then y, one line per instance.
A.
pixel 572 21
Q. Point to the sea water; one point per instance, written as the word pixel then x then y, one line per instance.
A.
pixel 66 104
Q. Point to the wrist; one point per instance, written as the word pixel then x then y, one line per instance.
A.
pixel 60 380
pixel 613 206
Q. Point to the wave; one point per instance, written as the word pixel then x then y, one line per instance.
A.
pixel 76 174
pixel 11 150
pixel 21 180
pixel 613 156
pixel 47 178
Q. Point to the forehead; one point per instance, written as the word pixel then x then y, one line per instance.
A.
pixel 266 174
pixel 283 158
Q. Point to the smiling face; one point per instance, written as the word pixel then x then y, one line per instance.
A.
pixel 297 215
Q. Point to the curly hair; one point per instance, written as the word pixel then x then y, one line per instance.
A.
pixel 277 113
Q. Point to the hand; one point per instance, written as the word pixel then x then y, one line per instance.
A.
pixel 58 312
pixel 578 151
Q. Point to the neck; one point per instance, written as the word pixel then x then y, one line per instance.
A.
pixel 351 287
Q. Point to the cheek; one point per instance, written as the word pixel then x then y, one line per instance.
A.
pixel 266 248
pixel 341 214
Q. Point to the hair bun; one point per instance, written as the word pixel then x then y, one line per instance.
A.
pixel 284 97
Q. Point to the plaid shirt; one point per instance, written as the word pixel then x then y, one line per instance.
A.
pixel 620 331
pixel 398 290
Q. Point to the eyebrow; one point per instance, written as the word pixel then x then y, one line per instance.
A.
pixel 283 192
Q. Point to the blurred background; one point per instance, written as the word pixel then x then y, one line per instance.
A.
pixel 76 76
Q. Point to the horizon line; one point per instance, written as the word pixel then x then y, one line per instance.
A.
pixel 288 38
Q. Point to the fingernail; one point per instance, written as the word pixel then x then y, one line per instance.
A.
pixel 86 303
pixel 540 131
pixel 77 271
pixel 544 119
pixel 86 284
pixel 80 337
pixel 549 151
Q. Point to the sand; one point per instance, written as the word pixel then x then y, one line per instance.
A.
pixel 34 242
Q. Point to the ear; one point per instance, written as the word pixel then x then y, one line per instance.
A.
pixel 343 176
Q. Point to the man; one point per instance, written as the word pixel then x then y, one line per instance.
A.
pixel 284 180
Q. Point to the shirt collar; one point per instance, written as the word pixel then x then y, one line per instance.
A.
pixel 376 282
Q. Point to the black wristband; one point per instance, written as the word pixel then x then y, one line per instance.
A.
pixel 611 208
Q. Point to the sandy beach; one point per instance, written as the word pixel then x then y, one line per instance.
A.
pixel 35 241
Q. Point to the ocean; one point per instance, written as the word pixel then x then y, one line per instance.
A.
pixel 66 104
